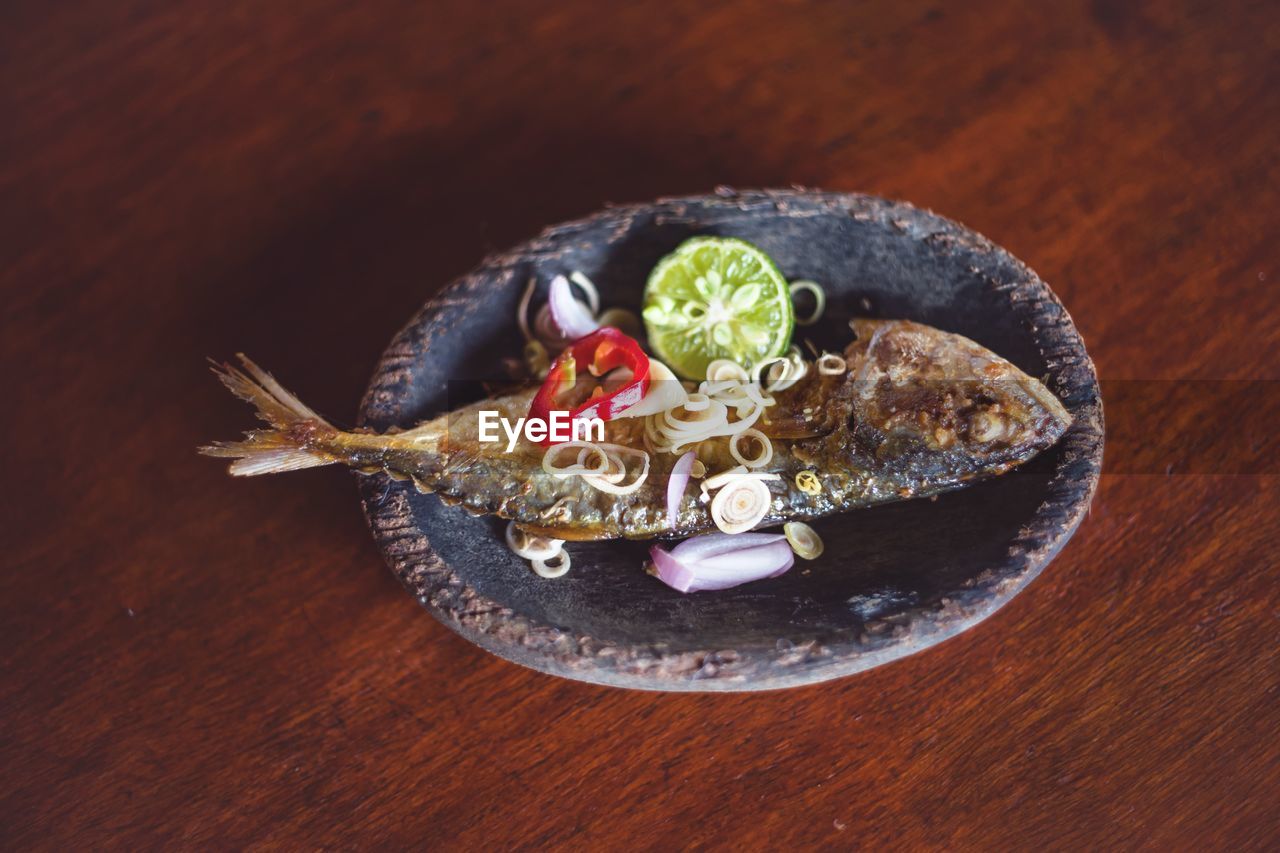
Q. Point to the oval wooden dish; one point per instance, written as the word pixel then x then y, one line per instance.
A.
pixel 893 580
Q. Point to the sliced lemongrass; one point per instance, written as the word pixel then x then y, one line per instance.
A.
pixel 830 364
pixel 531 547
pixel 726 370
pixel 612 487
pixel 766 448
pixel 807 482
pixel 819 296
pixel 779 374
pixel 720 388
pixel 717 480
pixel 697 403
pixel 543 567
pixel 593 295
pixel 757 396
pixel 705 409
pixel 562 471
pixel 740 505
pixel 738 472
pixel 788 379
pixel 679 441
pixel 522 312
pixel 699 469
pixel 684 432
pixel 758 375
pixel 614 474
pixel 803 539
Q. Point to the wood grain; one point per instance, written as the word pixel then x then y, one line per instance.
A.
pixel 190 661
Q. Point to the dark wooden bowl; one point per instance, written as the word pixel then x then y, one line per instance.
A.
pixel 893 580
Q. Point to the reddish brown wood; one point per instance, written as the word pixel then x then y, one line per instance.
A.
pixel 190 660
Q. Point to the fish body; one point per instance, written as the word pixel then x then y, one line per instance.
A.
pixel 918 412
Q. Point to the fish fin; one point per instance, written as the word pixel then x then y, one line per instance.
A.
pixel 275 405
pixel 285 447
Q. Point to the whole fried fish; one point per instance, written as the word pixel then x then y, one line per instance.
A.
pixel 918 412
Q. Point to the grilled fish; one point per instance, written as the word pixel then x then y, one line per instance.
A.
pixel 918 412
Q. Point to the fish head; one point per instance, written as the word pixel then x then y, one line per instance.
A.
pixel 941 405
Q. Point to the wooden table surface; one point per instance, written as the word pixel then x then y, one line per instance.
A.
pixel 191 661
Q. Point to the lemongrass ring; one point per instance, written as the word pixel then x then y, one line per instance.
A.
pixel 741 505
pixel 516 537
pixel 721 388
pixel 819 297
pixel 579 466
pixel 549 465
pixel 795 369
pixel 786 382
pixel 807 482
pixel 803 540
pixel 707 422
pixel 766 448
pixel 707 410
pixel 830 364
pixel 745 422
pixel 781 376
pixel 718 480
pixel 726 370
pixel 593 295
pixel 615 473
pixel 522 312
pixel 543 569
pixel 697 403
pixel 699 469
pixel 738 472
pixel 680 441
pixel 613 488
pixel 757 371
pixel 531 547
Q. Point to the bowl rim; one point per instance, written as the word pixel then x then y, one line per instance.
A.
pixel 550 648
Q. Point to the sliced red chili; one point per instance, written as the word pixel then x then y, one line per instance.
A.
pixel 598 353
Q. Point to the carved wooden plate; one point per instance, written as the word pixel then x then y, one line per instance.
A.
pixel 893 580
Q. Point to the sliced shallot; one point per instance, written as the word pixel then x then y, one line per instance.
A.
pixel 722 570
pixel 680 474
pixel 713 544
pixel 571 318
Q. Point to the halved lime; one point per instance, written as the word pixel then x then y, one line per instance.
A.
pixel 716 297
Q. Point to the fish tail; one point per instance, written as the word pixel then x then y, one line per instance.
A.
pixel 293 441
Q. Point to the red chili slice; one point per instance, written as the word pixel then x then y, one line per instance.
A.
pixel 599 352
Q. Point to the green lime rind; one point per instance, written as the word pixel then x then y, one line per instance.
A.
pixel 717 297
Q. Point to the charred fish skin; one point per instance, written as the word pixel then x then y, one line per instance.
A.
pixel 918 412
